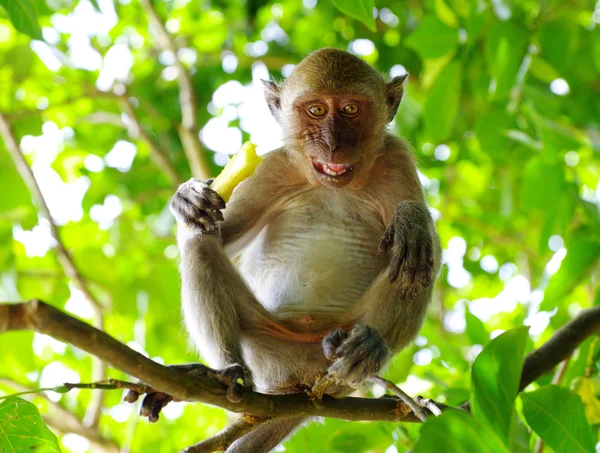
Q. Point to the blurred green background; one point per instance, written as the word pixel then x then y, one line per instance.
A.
pixel 502 107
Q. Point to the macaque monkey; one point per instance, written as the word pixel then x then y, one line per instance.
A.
pixel 337 251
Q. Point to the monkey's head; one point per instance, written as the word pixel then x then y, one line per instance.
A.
pixel 333 110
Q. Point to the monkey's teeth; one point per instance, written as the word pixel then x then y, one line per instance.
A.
pixel 329 171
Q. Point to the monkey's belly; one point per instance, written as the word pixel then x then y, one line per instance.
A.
pixel 311 271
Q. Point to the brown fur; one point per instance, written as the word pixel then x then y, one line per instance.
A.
pixel 310 263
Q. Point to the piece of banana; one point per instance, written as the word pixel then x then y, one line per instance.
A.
pixel 241 166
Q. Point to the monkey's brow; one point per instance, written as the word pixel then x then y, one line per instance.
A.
pixel 360 97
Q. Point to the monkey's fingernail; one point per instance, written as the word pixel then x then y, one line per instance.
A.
pixel 131 396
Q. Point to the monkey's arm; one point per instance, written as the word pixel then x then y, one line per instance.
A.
pixel 390 313
pixel 396 302
pixel 217 304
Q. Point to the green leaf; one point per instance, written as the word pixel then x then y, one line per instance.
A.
pixel 457 432
pixel 505 49
pixel 557 415
pixel 496 373
pixel 23 16
pixel 582 255
pixel 544 183
pixel 361 10
pixel 519 435
pixel 445 14
pixel 96 5
pixel 476 330
pixel 22 428
pixel 441 107
pixel 432 39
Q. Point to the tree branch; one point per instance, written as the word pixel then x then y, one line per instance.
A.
pixel 40 317
pixel 560 345
pixel 43 318
pixel 188 131
pixel 64 257
pixel 159 156
pixel 222 440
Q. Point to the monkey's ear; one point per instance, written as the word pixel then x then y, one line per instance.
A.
pixel 273 97
pixel 393 93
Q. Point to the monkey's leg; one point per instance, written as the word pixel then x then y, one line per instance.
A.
pixel 217 304
pixel 266 437
pixel 215 300
pixel 396 317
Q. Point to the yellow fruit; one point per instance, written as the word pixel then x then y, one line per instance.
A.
pixel 241 166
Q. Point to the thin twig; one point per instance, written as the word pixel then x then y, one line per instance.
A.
pixel 433 407
pixel 64 421
pixel 189 129
pixel 390 386
pixel 64 257
pixel 222 440
pixel 159 156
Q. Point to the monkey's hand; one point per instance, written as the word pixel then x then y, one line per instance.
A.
pixel 231 376
pixel 197 207
pixel 409 241
pixel 356 355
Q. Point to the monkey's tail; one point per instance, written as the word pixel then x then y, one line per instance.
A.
pixel 266 437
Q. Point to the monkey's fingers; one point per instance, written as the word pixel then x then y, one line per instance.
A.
pixel 158 406
pixel 153 404
pixel 396 263
pixel 332 341
pixel 425 271
pixel 387 241
pixel 234 378
pixel 204 189
pixel 131 396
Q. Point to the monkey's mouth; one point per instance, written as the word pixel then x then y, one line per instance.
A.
pixel 336 175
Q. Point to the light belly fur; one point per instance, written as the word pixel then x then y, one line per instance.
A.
pixel 313 259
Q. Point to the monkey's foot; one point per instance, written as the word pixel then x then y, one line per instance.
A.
pixel 197 206
pixel 232 376
pixel 356 355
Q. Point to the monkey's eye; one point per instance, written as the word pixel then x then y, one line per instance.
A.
pixel 317 111
pixel 351 109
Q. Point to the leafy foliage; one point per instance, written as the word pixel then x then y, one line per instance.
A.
pixel 22 428
pixel 558 417
pixel 496 374
pixel 503 110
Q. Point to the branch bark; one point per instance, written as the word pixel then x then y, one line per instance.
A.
pixel 223 439
pixel 64 257
pixel 560 346
pixel 188 131
pixel 40 317
pixel 43 318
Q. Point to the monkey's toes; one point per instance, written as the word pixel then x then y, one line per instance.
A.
pixel 153 404
pixel 360 355
pixel 234 377
pixel 332 341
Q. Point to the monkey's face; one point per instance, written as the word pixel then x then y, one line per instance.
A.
pixel 335 136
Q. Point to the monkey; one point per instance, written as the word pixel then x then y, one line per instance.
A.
pixel 322 262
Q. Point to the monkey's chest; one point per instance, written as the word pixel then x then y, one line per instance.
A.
pixel 312 263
